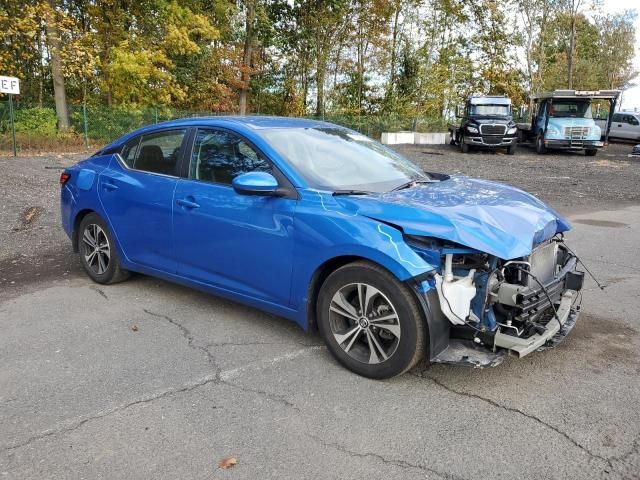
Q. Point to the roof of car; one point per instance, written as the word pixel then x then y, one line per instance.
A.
pixel 253 121
pixel 490 100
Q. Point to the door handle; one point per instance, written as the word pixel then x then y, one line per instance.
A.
pixel 108 185
pixel 183 202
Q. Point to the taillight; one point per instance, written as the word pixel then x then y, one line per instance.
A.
pixel 64 177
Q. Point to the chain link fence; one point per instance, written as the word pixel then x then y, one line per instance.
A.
pixel 93 125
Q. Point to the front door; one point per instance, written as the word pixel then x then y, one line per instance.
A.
pixel 136 192
pixel 236 242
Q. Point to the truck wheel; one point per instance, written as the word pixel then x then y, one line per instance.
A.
pixel 464 146
pixel 590 152
pixel 540 146
pixel 511 149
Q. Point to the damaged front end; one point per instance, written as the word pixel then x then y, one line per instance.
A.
pixel 490 307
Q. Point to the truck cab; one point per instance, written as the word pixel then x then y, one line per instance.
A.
pixel 563 120
pixel 486 122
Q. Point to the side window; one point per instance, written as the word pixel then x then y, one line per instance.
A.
pixel 220 156
pixel 129 151
pixel 633 120
pixel 617 118
pixel 158 152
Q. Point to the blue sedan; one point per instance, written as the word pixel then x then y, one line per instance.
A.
pixel 328 228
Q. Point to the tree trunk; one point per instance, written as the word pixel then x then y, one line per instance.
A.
pixel 394 40
pixel 320 76
pixel 572 47
pixel 59 93
pixel 246 59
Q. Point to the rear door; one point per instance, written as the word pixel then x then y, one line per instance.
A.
pixel 136 192
pixel 617 129
pixel 239 243
pixel 633 127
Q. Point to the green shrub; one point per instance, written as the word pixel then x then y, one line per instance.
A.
pixel 36 120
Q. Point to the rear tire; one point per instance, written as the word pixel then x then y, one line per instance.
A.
pixel 540 146
pixel 371 322
pixel 590 152
pixel 98 253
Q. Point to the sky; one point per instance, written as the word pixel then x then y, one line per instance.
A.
pixel 630 97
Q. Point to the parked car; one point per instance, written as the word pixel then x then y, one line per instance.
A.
pixel 326 227
pixel 625 125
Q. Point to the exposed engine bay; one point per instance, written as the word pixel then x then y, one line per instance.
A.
pixel 500 306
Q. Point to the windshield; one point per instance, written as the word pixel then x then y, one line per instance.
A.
pixel 487 109
pixel 570 108
pixel 338 159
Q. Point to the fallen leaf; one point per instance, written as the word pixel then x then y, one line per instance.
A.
pixel 227 462
pixel 134 328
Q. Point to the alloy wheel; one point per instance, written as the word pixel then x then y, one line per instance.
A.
pixel 364 323
pixel 96 248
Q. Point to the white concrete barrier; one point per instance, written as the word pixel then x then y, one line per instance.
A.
pixel 431 138
pixel 395 138
pixel 414 138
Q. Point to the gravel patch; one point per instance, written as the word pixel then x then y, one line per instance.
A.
pixel 568 181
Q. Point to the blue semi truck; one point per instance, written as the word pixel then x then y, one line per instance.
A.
pixel 563 119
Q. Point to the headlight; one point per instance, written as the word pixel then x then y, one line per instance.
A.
pixel 553 131
pixel 472 129
pixel 511 131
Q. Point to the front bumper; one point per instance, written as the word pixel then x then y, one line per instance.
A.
pixel 523 346
pixel 491 141
pixel 573 144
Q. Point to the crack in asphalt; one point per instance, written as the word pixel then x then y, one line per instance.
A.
pixel 269 396
pixel 75 424
pixel 99 291
pixel 635 448
pixel 493 403
pixel 217 378
pixel 245 344
pixel 186 333
pixel 605 262
pixel 389 461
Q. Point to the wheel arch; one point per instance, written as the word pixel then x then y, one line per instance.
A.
pixel 317 280
pixel 76 224
pixel 323 271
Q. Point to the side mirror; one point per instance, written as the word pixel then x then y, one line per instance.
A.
pixel 256 183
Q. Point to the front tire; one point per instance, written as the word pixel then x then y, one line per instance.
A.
pixel 540 146
pixel 511 149
pixel 464 146
pixel 98 253
pixel 591 152
pixel 371 322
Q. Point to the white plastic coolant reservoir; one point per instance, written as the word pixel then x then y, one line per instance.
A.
pixel 455 294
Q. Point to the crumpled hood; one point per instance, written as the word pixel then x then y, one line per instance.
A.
pixel 491 217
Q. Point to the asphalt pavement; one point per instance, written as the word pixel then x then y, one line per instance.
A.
pixel 146 379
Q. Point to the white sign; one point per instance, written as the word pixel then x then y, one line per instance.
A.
pixel 9 85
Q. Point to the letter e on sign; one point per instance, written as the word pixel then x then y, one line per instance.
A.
pixel 9 85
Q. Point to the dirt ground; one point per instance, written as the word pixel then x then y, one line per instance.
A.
pixel 568 181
